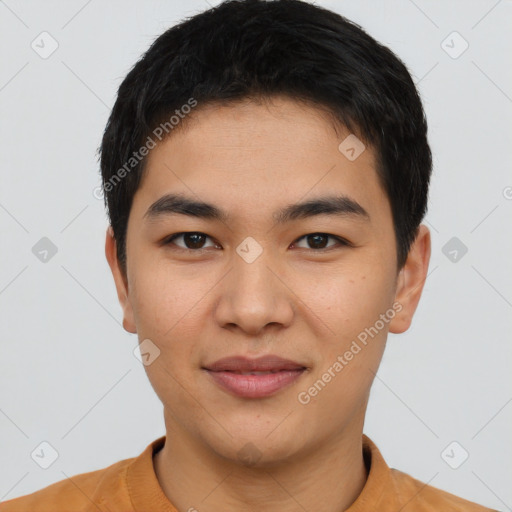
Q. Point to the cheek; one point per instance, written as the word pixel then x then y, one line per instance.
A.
pixel 165 311
pixel 152 306
pixel 349 358
pixel 352 299
pixel 169 309
pixel 159 301
pixel 354 314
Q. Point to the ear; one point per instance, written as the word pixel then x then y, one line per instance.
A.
pixel 121 281
pixel 410 281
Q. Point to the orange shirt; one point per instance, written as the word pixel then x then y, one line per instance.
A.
pixel 131 485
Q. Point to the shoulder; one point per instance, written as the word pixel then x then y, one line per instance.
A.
pixel 420 497
pixel 79 493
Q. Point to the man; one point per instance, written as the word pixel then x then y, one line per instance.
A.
pixel 266 171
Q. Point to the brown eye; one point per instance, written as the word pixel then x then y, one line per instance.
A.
pixel 192 240
pixel 318 241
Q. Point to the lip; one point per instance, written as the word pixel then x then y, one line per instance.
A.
pixel 227 373
pixel 259 364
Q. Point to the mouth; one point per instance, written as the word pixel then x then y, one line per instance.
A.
pixel 254 378
pixel 256 372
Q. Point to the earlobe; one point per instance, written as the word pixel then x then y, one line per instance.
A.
pixel 411 280
pixel 120 280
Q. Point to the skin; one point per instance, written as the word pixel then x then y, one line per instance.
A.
pixel 295 300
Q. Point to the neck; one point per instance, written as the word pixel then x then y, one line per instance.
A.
pixel 327 478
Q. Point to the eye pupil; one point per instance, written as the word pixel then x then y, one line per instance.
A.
pixel 196 244
pixel 317 238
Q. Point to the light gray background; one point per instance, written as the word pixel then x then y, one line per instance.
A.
pixel 67 372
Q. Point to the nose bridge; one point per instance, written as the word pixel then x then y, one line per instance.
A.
pixel 252 295
pixel 254 279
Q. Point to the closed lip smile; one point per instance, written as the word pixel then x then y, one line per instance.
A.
pixel 254 378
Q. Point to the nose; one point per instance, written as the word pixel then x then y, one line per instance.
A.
pixel 253 296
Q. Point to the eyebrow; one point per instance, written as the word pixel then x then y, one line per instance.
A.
pixel 335 205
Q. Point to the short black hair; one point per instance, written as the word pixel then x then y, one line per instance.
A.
pixel 244 49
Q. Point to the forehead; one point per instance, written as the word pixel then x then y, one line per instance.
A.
pixel 251 154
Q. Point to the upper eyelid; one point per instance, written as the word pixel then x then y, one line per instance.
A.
pixel 329 235
pixel 168 239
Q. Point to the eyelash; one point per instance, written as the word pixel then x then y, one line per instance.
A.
pixel 171 238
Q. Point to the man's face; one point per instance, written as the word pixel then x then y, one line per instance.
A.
pixel 214 294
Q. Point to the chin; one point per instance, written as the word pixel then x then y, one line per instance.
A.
pixel 256 448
